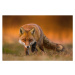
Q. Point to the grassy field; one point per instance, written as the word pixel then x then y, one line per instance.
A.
pixel 15 52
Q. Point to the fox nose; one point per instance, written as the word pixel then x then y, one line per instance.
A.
pixel 27 46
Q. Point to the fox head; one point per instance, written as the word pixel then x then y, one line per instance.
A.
pixel 27 37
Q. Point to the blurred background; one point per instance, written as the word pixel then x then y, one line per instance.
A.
pixel 58 29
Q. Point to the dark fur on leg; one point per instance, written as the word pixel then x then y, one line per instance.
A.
pixel 41 47
pixel 27 52
pixel 34 47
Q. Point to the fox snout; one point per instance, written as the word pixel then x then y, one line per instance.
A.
pixel 26 46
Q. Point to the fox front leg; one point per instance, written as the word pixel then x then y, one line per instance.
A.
pixel 33 48
pixel 41 47
pixel 26 51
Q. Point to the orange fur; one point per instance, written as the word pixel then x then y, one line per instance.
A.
pixel 31 33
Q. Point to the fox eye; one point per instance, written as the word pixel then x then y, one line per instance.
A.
pixel 30 40
pixel 24 39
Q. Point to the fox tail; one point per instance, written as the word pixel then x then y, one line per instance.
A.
pixel 50 45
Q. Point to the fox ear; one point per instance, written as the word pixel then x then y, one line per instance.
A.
pixel 32 30
pixel 22 30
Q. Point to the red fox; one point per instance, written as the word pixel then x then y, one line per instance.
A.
pixel 31 35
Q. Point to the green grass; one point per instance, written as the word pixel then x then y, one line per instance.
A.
pixel 15 51
pixel 7 51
